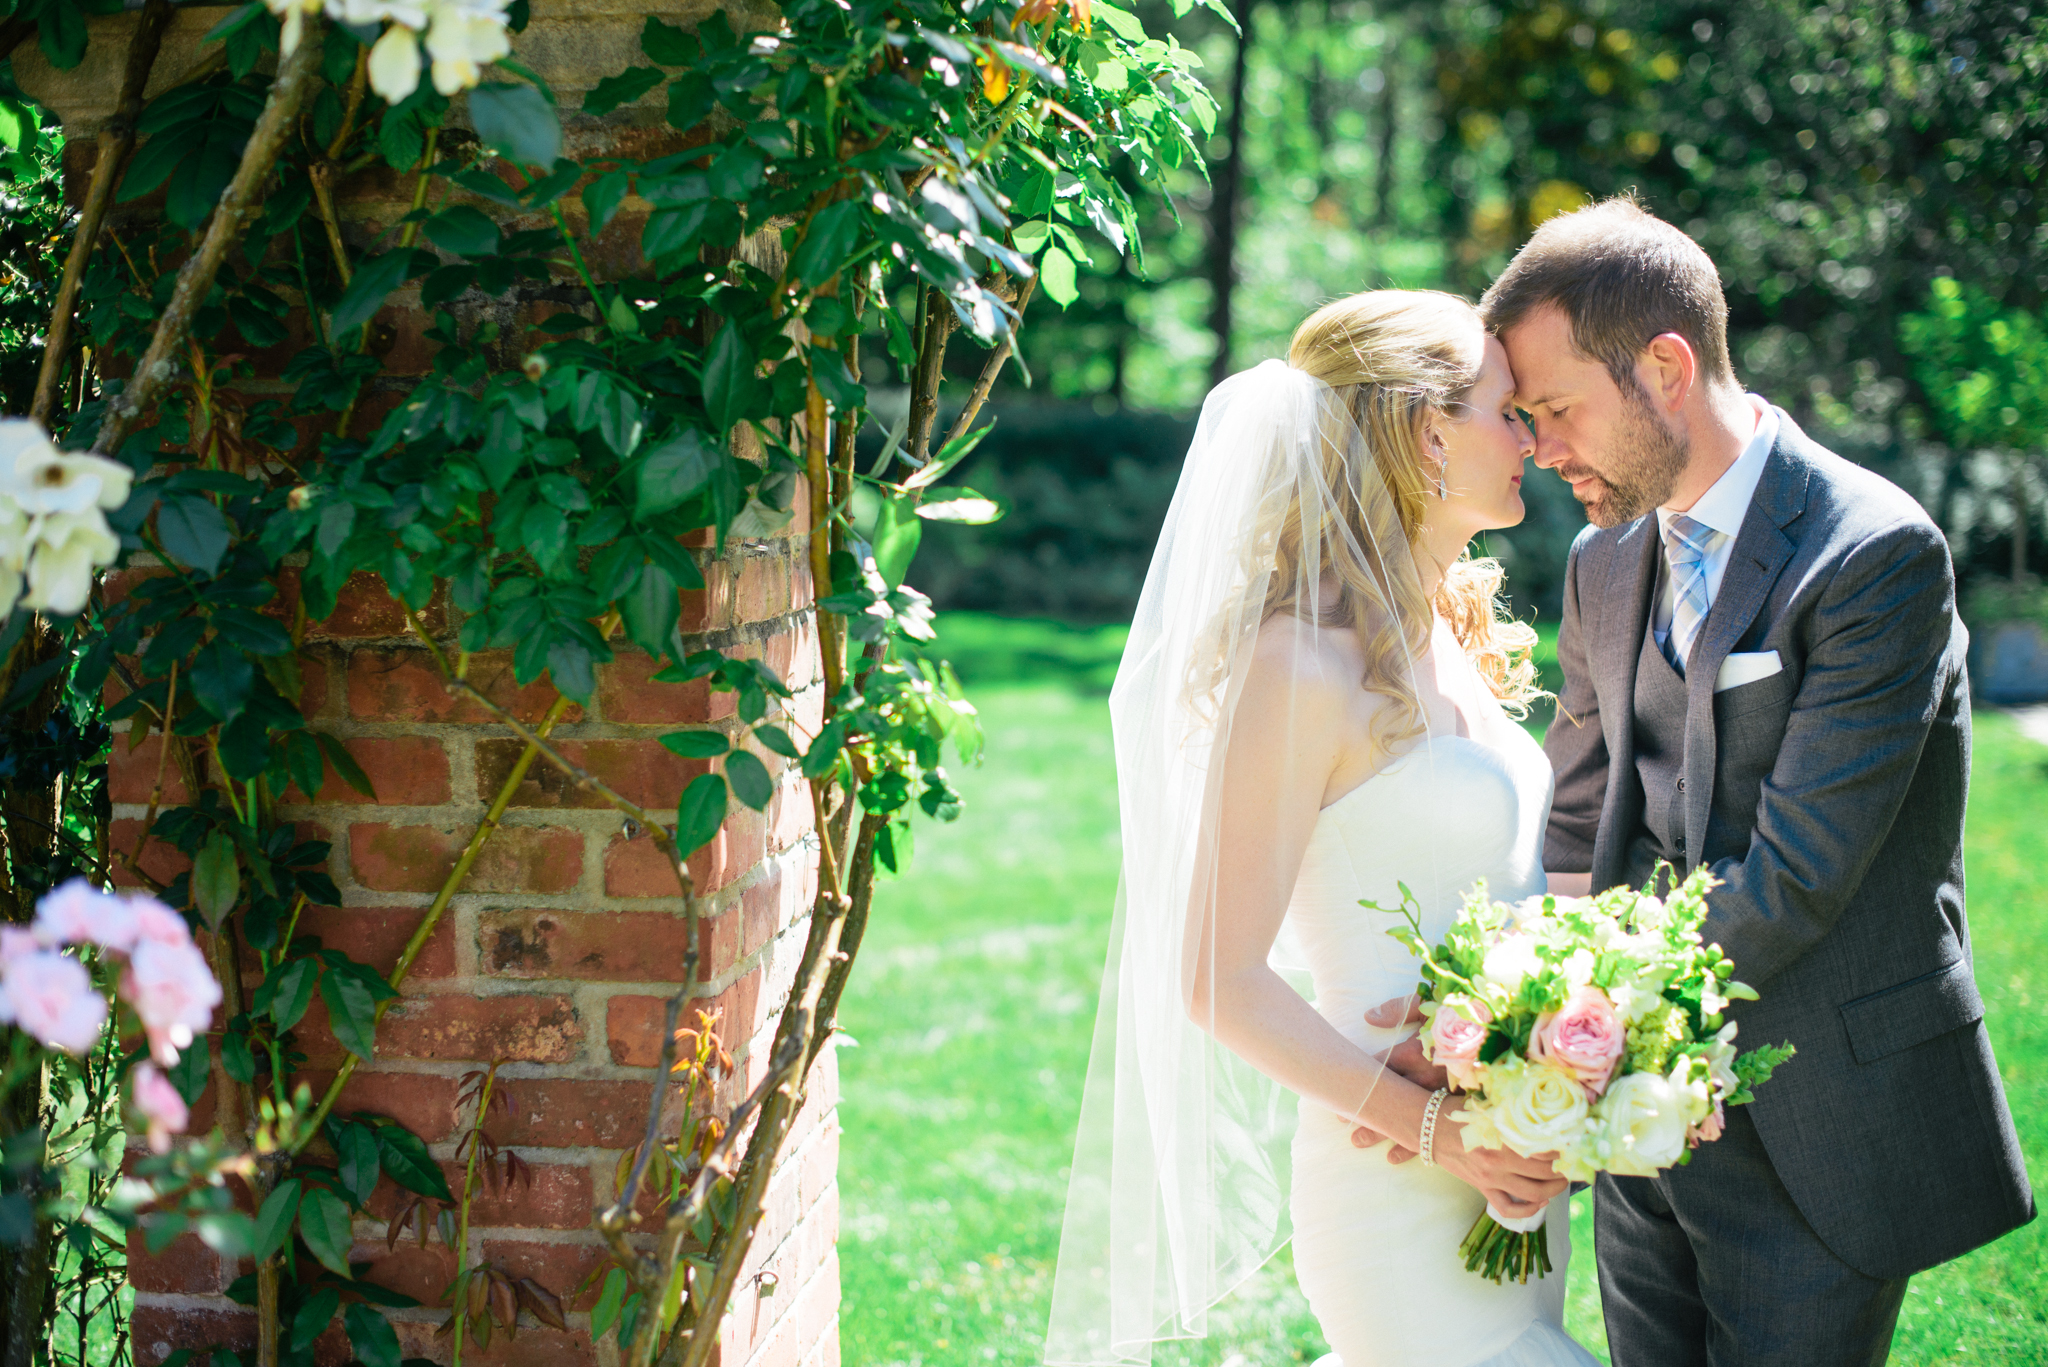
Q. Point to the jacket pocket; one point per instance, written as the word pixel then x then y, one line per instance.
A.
pixel 1772 690
pixel 1913 1012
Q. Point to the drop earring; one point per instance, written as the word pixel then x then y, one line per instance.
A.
pixel 1443 462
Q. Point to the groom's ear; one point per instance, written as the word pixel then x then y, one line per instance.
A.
pixel 1670 370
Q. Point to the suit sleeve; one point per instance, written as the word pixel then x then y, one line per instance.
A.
pixel 1575 743
pixel 1875 676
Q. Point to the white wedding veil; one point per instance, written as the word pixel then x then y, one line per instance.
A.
pixel 1283 527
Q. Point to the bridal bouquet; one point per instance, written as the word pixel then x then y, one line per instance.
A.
pixel 1585 1027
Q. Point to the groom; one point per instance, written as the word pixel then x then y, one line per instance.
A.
pixel 1763 674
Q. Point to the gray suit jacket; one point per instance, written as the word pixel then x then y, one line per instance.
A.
pixel 1828 798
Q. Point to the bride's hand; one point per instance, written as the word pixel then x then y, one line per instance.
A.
pixel 1513 1184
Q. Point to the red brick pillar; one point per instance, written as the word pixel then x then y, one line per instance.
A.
pixel 558 952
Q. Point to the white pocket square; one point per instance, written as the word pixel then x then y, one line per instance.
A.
pixel 1746 667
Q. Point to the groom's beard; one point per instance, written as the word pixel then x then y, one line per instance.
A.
pixel 1643 465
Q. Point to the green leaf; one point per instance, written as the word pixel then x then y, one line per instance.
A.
pixel 602 197
pixel 324 1225
pixel 371 1335
pixel 964 506
pixel 356 1147
pixel 236 1060
pixel 518 121
pixel 194 531
pixel 294 991
pixel 674 471
pixel 650 610
pixel 897 533
pixel 373 282
pixel 188 1074
pixel 729 382
pixel 573 670
pixel 314 1315
pixel 606 1312
pixel 624 88
pixel 835 382
pixel 406 1159
pixel 60 28
pixel 700 812
pixel 1120 22
pixel 464 231
pixel 274 1220
pixel 671 229
pixel 1057 273
pixel 216 878
pixel 776 739
pixel 351 1013
pixel 667 44
pixel 697 744
pixel 222 679
pixel 749 778
pixel 344 764
pixel 823 252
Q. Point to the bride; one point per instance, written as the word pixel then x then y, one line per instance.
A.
pixel 1313 709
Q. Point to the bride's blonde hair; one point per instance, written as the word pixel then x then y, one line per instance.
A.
pixel 1397 358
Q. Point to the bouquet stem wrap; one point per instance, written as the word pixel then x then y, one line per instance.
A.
pixel 1501 1246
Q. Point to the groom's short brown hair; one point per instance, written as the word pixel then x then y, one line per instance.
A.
pixel 1622 276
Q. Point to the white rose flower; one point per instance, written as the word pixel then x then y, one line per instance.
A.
pixel 462 43
pixel 1538 1108
pixel 1510 960
pixel 1578 968
pixel 42 479
pixel 1642 1124
pixel 69 549
pixel 394 66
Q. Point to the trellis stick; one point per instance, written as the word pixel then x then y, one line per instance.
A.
pixel 116 140
pixel 295 81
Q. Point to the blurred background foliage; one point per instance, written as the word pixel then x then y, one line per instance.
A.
pixel 1836 159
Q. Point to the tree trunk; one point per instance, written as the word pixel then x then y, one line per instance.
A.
pixel 1223 207
pixel 1383 160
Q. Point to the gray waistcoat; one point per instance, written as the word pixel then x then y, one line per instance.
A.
pixel 1660 764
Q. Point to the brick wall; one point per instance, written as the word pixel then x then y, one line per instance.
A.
pixel 556 959
pixel 560 950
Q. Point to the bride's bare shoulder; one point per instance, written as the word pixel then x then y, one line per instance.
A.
pixel 1306 658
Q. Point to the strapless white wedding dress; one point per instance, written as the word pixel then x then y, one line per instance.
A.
pixel 1375 1245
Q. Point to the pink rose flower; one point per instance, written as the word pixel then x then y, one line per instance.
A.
pixel 15 941
pixel 78 913
pixel 160 1105
pixel 174 993
pixel 1454 1039
pixel 53 998
pixel 1586 1039
pixel 158 923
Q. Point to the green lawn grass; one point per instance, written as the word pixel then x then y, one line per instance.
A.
pixel 975 994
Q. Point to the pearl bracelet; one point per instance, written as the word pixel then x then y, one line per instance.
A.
pixel 1428 1138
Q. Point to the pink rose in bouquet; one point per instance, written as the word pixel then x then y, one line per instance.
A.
pixel 1455 1037
pixel 1586 1038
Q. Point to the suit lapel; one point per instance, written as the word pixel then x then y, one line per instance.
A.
pixel 1618 645
pixel 1761 551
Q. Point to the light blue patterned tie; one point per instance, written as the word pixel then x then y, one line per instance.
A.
pixel 1686 544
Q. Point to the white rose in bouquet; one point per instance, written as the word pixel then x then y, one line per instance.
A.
pixel 1510 960
pixel 1643 1121
pixel 1537 1107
